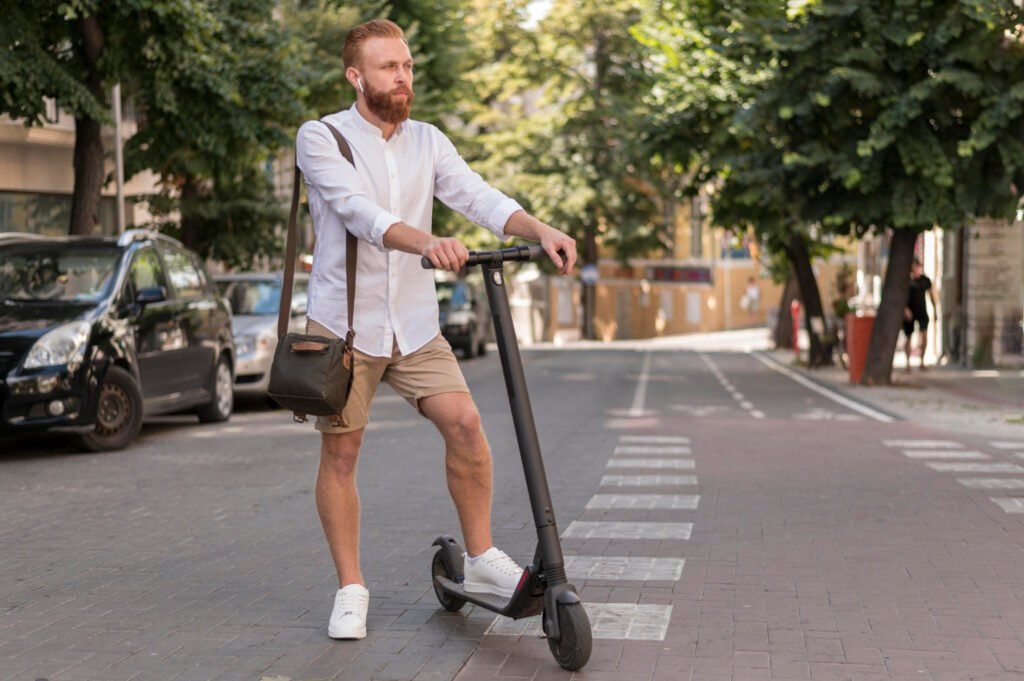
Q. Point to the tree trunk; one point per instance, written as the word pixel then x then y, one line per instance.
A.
pixel 784 323
pixel 889 320
pixel 800 259
pixel 88 155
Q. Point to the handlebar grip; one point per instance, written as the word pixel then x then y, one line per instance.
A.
pixel 513 253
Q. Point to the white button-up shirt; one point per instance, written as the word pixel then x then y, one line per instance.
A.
pixel 394 180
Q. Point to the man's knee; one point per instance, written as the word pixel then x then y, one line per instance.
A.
pixel 464 426
pixel 340 451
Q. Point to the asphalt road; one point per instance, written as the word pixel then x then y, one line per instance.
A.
pixel 766 531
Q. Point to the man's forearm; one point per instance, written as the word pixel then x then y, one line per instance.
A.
pixel 405 238
pixel 524 225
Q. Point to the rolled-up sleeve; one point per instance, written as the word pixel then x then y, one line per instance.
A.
pixel 463 190
pixel 339 184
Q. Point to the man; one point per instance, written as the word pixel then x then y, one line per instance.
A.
pixel 385 201
pixel 916 310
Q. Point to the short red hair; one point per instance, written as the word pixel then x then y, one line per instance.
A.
pixel 376 28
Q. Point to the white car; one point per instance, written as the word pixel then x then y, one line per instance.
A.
pixel 255 298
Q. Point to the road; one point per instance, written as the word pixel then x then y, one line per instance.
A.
pixel 724 519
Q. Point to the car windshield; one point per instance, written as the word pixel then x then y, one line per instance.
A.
pixel 255 297
pixel 450 294
pixel 57 273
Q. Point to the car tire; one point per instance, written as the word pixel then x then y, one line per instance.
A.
pixel 222 395
pixel 118 413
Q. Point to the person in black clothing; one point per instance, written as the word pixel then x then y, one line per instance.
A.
pixel 917 309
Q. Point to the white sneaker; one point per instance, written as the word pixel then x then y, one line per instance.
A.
pixel 348 619
pixel 492 572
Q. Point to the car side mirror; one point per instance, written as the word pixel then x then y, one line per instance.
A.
pixel 151 294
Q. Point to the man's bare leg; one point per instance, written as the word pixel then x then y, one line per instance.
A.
pixel 337 502
pixel 924 344
pixel 467 463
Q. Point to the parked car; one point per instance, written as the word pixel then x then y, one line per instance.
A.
pixel 464 315
pixel 96 332
pixel 254 300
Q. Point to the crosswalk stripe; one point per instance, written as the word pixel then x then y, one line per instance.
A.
pixel 976 467
pixel 1007 445
pixel 928 444
pixel 682 464
pixel 582 529
pixel 623 621
pixel 644 501
pixel 648 480
pixel 992 483
pixel 1010 505
pixel 629 568
pixel 645 449
pixel 655 439
pixel 943 454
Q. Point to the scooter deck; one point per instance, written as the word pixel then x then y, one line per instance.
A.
pixel 498 604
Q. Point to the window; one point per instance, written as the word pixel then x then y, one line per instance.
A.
pixel 186 278
pixel 146 272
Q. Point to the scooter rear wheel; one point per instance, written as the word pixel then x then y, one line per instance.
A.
pixel 440 566
pixel 573 650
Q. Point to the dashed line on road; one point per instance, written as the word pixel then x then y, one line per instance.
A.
pixel 739 397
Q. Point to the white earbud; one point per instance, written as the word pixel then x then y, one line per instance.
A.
pixel 360 81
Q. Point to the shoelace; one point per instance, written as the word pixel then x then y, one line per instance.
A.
pixel 352 603
pixel 503 563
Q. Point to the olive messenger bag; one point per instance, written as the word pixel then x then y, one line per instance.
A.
pixel 313 374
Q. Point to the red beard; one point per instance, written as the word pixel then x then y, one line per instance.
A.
pixel 388 106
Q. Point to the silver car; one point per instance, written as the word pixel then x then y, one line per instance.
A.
pixel 254 299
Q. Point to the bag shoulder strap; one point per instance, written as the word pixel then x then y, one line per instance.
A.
pixel 351 249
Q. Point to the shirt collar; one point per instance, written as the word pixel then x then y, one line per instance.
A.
pixel 371 129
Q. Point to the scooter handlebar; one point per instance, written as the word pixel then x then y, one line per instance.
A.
pixel 511 254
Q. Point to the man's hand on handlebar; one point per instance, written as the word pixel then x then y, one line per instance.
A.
pixel 554 241
pixel 445 253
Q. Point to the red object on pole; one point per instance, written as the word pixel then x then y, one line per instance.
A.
pixel 858 338
pixel 794 311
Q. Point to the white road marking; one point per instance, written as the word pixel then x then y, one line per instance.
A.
pixel 821 414
pixel 648 480
pixel 757 414
pixel 637 408
pixel 583 529
pixel 660 450
pixel 1007 445
pixel 739 397
pixel 631 568
pixel 682 464
pixel 622 621
pixel 925 444
pixel 821 390
pixel 943 454
pixel 646 502
pixel 655 439
pixel 976 467
pixel 992 483
pixel 1010 505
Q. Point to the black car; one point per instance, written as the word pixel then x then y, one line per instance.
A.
pixel 95 332
pixel 464 316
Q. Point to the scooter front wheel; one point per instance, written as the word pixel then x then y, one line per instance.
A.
pixel 440 566
pixel 573 650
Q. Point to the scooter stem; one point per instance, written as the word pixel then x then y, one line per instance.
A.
pixel 526 432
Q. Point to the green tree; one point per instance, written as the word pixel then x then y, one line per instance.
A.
pixel 74 51
pixel 561 113
pixel 900 115
pixel 215 116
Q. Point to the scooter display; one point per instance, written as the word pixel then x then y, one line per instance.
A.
pixel 544 587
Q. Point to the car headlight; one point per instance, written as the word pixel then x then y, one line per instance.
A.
pixel 63 345
pixel 245 344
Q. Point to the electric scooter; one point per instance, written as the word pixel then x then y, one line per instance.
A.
pixel 543 587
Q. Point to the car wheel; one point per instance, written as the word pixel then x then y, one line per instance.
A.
pixel 222 399
pixel 118 413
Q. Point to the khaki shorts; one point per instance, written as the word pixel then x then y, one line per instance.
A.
pixel 431 370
